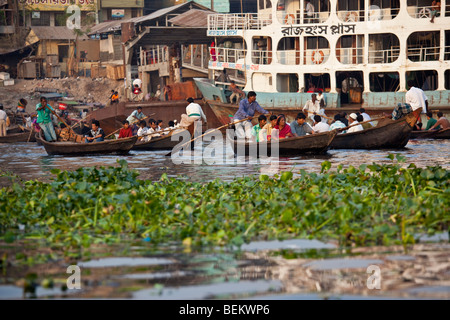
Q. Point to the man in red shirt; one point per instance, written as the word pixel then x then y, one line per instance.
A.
pixel 126 131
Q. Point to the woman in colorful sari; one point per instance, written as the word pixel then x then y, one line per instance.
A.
pixel 284 130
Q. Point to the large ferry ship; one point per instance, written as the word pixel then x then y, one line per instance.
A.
pixel 360 53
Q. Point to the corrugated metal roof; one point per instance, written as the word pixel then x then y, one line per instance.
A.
pixel 192 18
pixel 56 33
pixel 108 26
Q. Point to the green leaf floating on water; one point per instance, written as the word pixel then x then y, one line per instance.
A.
pixel 370 205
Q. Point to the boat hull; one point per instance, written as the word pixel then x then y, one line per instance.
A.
pixel 120 146
pixel 388 134
pixel 431 134
pixel 18 137
pixel 309 144
pixel 167 142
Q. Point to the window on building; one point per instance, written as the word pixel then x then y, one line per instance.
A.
pixel 40 18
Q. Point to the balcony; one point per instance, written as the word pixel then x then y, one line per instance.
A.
pixel 384 56
pixel 219 24
pixel 421 54
pixel 350 55
pixel 196 57
pixel 229 55
pixel 152 58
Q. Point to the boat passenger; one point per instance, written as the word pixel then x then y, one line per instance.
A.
pixel 136 116
pixel 3 117
pixel 96 134
pixel 153 129
pixel 442 122
pixel 194 112
pixel 247 109
pixel 312 107
pixel 266 132
pixel 320 97
pixel 237 93
pixel 320 126
pixel 431 121
pixel 284 130
pixel 300 127
pixel 262 119
pixel 171 125
pixel 343 118
pixel 44 119
pixel 126 131
pixel 143 130
pixel 415 98
pixel 366 117
pixel 360 118
pixel 354 122
pixel 338 124
pixel 159 124
pixel 322 111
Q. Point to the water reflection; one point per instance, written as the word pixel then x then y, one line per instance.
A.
pixel 30 161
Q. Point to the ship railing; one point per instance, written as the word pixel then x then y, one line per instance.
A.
pixel 376 14
pixel 384 55
pixel 351 15
pixel 293 17
pixel 229 55
pixel 419 54
pixel 262 57
pixel 289 57
pixel 350 55
pixel 420 12
pixel 157 54
pixel 238 21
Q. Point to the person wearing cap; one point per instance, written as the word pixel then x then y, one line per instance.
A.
pixel 320 126
pixel 247 109
pixel 194 112
pixel 354 123
pixel 44 119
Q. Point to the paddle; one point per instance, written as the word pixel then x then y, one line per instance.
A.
pixel 81 121
pixel 29 137
pixel 59 118
pixel 111 134
pixel 354 125
pixel 217 129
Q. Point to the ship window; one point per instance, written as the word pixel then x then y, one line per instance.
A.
pixel 288 51
pixel 317 81
pixel 447 79
pixel 265 4
pixel 346 41
pixel 351 10
pixel 287 82
pixel 447 45
pixel 424 46
pixel 262 50
pixel 387 9
pixel 424 79
pixel 384 81
pixel 350 85
pixel 383 48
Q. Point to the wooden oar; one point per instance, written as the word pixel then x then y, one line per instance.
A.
pixel 354 125
pixel 217 129
pixel 111 134
pixel 59 118
pixel 31 132
pixel 81 121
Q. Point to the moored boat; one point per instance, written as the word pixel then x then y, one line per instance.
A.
pixel 388 134
pixel 120 146
pixel 431 134
pixel 309 144
pixel 165 142
pixel 26 136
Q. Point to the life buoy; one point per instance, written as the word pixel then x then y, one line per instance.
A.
pixel 317 56
pixel 352 16
pixel 286 18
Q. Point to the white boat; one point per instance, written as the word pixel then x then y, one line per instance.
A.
pixel 361 53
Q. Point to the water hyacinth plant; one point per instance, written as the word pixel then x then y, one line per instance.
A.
pixel 370 205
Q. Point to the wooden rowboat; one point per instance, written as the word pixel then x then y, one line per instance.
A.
pixel 121 146
pixel 431 134
pixel 166 142
pixel 388 134
pixel 18 137
pixel 309 144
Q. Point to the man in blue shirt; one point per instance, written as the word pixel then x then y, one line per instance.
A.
pixel 247 109
pixel 44 119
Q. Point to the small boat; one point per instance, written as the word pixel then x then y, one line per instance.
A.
pixel 431 134
pixel 387 134
pixel 165 142
pixel 309 144
pixel 80 148
pixel 25 136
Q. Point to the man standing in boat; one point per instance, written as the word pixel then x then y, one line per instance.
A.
pixel 312 107
pixel 194 112
pixel 247 109
pixel 415 98
pixel 44 119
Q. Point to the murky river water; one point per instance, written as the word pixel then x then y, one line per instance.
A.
pixel 30 161
pixel 287 270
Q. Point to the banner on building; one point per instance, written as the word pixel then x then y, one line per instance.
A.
pixel 57 5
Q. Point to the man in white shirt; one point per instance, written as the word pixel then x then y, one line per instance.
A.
pixel 309 10
pixel 415 98
pixel 3 117
pixel 353 122
pixel 312 107
pixel 320 126
pixel 194 112
pixel 366 117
